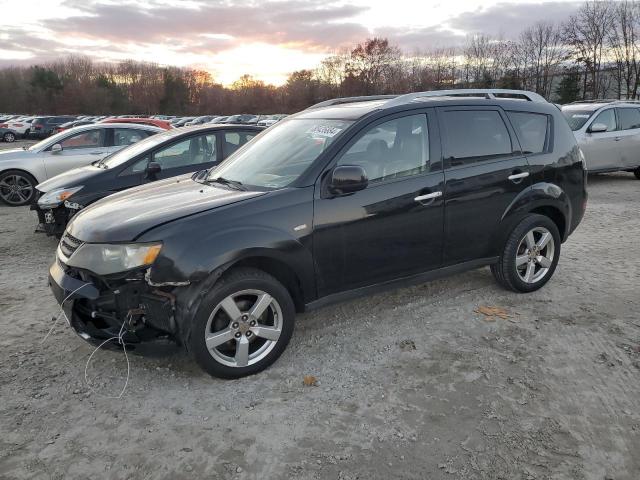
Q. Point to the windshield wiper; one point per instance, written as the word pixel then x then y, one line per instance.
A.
pixel 225 181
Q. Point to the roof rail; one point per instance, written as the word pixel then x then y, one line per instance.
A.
pixel 340 101
pixel 468 92
pixel 604 100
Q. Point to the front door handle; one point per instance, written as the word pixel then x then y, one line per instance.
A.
pixel 428 196
pixel 617 139
pixel 516 177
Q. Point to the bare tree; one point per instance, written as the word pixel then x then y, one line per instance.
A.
pixel 586 32
pixel 623 38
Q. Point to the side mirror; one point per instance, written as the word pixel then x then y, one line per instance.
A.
pixel 153 169
pixel 57 148
pixel 598 128
pixel 348 179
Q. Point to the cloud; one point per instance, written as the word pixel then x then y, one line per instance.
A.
pixel 310 23
pixel 509 19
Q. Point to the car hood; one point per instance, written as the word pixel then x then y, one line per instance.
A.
pixel 71 178
pixel 124 216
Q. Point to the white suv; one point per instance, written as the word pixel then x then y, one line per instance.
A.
pixel 608 132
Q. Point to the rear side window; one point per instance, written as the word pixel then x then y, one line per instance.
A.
pixel 532 130
pixel 474 136
pixel 233 140
pixel 629 118
pixel 127 136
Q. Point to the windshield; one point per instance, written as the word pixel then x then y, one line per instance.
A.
pixel 277 157
pixel 577 118
pixel 127 153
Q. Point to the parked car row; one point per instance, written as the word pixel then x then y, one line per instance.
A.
pixel 349 197
pixel 13 127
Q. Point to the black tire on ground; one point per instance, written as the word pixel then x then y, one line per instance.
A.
pixel 511 277
pixel 17 188
pixel 9 137
pixel 636 172
pixel 241 280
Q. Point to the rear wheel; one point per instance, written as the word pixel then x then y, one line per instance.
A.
pixel 9 137
pixel 243 325
pixel 530 255
pixel 636 172
pixel 17 188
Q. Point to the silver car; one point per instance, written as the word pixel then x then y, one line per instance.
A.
pixel 23 168
pixel 608 133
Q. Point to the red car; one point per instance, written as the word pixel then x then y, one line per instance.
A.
pixel 144 121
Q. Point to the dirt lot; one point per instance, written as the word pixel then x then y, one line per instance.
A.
pixel 412 384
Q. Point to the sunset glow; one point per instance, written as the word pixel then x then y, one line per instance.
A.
pixel 266 39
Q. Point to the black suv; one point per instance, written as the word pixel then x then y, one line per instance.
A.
pixel 42 127
pixel 349 197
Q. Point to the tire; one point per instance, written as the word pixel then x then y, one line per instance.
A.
pixel 263 336
pixel 636 172
pixel 9 137
pixel 17 188
pixel 522 268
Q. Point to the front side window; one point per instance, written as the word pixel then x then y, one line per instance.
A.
pixel 192 151
pixel 607 118
pixel 531 129
pixel 629 118
pixel 281 154
pixel 127 136
pixel 86 139
pixel 474 135
pixel 394 149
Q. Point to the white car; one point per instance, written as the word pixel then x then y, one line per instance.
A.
pixel 608 133
pixel 21 125
pixel 23 168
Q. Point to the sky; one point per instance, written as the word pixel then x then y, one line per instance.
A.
pixel 264 38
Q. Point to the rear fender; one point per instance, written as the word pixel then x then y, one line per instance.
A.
pixel 539 196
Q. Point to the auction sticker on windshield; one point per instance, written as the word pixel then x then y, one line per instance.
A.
pixel 324 130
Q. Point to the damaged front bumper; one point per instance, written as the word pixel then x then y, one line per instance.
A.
pixel 53 221
pixel 97 307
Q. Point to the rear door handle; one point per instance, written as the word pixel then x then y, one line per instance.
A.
pixel 428 196
pixel 617 139
pixel 518 176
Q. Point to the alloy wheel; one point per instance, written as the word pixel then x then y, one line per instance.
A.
pixel 9 137
pixel 535 254
pixel 15 189
pixel 243 328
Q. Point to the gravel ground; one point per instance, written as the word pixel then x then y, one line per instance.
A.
pixel 411 384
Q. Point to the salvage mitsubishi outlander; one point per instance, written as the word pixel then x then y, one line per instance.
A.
pixel 349 197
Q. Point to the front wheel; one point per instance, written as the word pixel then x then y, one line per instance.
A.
pixel 9 137
pixel 530 255
pixel 17 188
pixel 636 172
pixel 243 325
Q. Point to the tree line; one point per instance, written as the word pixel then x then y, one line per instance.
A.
pixel 594 54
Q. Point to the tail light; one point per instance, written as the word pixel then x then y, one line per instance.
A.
pixel 4 125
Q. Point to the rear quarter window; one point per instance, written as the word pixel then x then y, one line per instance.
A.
pixel 532 130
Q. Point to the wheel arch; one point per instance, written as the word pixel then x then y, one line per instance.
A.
pixel 543 198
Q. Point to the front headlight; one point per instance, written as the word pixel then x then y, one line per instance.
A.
pixel 105 259
pixel 54 198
